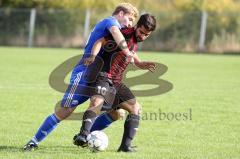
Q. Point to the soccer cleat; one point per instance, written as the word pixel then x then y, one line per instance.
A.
pixel 127 149
pixel 80 140
pixel 30 146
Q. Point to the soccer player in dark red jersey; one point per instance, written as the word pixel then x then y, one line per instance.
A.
pixel 112 63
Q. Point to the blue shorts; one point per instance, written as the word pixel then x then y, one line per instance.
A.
pixel 72 97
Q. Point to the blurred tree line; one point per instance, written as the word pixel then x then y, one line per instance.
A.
pixel 178 20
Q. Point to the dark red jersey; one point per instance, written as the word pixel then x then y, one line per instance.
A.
pixel 115 61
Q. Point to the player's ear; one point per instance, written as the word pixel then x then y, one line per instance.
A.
pixel 121 13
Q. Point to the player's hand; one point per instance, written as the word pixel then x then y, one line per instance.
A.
pixel 151 66
pixel 89 60
pixel 129 57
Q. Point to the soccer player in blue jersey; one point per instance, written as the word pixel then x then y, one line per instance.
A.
pixel 123 16
pixel 113 65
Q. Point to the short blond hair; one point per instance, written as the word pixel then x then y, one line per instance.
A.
pixel 126 8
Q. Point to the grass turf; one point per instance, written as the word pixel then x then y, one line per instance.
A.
pixel 209 85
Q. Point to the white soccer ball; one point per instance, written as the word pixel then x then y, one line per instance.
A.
pixel 97 141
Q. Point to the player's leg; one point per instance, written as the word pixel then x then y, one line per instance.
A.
pixel 128 102
pixel 68 104
pixel 112 114
pixel 89 117
pixel 107 118
pixel 91 113
pixel 49 124
pixel 131 124
pixel 103 87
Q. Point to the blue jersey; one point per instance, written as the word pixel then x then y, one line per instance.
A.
pixel 72 97
pixel 100 30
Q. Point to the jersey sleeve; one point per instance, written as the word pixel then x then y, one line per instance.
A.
pixel 112 22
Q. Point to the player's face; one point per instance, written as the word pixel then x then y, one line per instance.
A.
pixel 142 33
pixel 126 20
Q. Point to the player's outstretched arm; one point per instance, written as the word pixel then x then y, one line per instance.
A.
pixel 145 65
pixel 95 50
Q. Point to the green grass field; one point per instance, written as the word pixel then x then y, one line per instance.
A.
pixel 209 85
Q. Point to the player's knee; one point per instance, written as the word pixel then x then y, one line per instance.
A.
pixel 132 106
pixel 117 114
pixel 96 101
pixel 114 115
pixel 63 112
pixel 135 109
pixel 121 113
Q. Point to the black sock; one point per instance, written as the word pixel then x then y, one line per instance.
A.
pixel 130 127
pixel 88 119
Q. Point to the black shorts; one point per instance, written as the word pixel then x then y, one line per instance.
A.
pixel 113 94
pixel 105 88
pixel 123 94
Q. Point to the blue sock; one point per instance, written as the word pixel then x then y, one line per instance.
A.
pixel 102 121
pixel 48 125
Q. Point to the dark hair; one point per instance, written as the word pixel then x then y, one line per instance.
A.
pixel 148 21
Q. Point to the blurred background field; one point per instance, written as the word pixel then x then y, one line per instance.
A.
pixel 183 25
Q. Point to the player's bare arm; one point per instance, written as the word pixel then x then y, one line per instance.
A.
pixel 145 65
pixel 120 40
pixel 95 50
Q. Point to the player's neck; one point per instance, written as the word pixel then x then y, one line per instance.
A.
pixel 115 16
